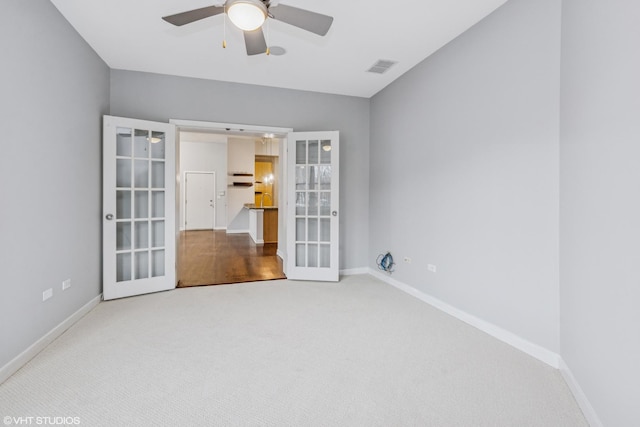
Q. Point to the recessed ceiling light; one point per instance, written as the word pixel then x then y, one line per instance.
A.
pixel 277 50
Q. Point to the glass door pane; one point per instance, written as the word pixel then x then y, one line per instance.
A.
pixel 138 166
pixel 140 203
pixel 314 223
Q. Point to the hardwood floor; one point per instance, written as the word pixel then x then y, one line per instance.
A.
pixel 215 257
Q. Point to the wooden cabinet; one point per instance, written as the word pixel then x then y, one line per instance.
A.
pixel 270 226
pixel 263 224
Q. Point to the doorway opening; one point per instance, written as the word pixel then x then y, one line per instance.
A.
pixel 142 190
pixel 233 232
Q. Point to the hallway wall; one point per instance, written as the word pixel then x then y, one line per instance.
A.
pixel 205 153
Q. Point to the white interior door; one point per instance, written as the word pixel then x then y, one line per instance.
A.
pixel 313 206
pixel 199 206
pixel 138 207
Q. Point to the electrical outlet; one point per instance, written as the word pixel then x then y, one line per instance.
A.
pixel 47 294
pixel 407 260
pixel 431 268
pixel 66 284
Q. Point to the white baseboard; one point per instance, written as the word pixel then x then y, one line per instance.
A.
pixel 214 228
pixel 581 398
pixel 280 254
pixel 237 231
pixel 354 271
pixel 20 360
pixel 534 350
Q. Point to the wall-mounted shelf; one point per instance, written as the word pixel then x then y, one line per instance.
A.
pixel 241 183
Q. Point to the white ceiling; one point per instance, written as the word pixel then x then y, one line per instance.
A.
pixel 130 35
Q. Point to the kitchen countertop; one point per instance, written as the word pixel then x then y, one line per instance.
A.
pixel 254 206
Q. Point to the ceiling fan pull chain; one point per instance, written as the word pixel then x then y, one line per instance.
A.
pixel 268 37
pixel 224 28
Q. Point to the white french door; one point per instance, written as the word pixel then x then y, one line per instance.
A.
pixel 138 207
pixel 313 206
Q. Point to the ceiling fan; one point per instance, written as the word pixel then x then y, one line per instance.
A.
pixel 249 15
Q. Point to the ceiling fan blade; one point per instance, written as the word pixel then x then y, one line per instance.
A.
pixel 301 18
pixel 255 42
pixel 193 15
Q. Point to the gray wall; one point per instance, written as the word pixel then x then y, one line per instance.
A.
pixel 600 209
pixel 464 172
pixel 54 92
pixel 160 97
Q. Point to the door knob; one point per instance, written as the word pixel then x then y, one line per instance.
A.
pixel 109 217
pixel 334 213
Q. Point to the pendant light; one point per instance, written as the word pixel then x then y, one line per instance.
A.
pixel 268 138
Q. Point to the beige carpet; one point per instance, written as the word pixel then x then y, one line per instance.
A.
pixel 282 353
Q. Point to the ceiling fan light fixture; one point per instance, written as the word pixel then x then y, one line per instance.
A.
pixel 248 15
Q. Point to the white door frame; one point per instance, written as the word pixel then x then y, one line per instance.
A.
pixel 235 129
pixel 184 196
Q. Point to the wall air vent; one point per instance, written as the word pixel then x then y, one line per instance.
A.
pixel 381 66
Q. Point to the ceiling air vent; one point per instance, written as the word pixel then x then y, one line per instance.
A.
pixel 381 66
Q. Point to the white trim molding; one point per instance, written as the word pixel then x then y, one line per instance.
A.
pixel 549 357
pixel 229 128
pixel 20 360
pixel 237 231
pixel 588 411
pixel 354 271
